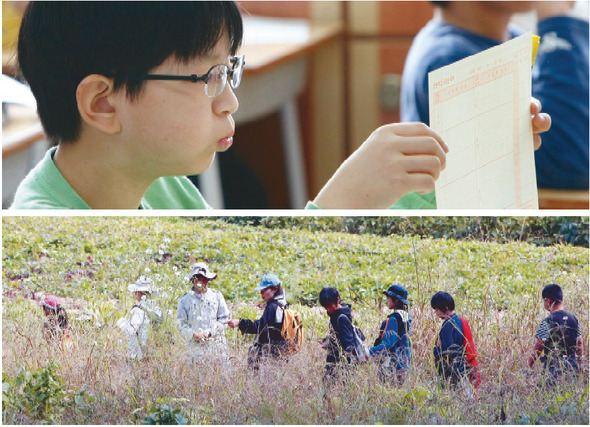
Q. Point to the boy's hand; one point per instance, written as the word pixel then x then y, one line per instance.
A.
pixel 233 323
pixel 394 161
pixel 200 336
pixel 541 122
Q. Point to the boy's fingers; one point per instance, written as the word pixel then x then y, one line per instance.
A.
pixel 425 146
pixel 421 182
pixel 541 122
pixel 418 130
pixel 536 141
pixel 535 106
pixel 429 165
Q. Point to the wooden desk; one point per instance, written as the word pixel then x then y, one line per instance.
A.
pixel 563 199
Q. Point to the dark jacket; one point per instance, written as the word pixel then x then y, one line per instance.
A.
pixel 455 355
pixel 559 332
pixel 341 339
pixel 268 327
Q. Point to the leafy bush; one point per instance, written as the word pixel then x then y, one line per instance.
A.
pixel 541 231
pixel 41 393
pixel 164 414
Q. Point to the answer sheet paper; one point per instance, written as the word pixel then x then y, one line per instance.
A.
pixel 480 106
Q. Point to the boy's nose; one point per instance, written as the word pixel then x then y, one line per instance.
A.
pixel 226 102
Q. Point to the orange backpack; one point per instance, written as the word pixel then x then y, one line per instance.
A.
pixel 292 330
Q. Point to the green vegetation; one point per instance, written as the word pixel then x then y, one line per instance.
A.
pixel 496 280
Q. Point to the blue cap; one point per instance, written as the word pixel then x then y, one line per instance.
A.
pixel 398 292
pixel 267 281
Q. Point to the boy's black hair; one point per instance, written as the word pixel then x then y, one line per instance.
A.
pixel 553 292
pixel 329 296
pixel 440 3
pixel 62 42
pixel 443 301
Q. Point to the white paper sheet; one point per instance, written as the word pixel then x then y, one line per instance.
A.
pixel 481 108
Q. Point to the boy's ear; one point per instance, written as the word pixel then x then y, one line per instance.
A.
pixel 96 105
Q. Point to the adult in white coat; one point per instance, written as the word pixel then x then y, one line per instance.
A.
pixel 202 315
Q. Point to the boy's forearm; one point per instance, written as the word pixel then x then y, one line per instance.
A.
pixel 537 349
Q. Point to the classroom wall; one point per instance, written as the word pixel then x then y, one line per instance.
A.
pixel 380 35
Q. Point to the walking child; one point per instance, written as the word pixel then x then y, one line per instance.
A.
pixel 269 342
pixel 343 344
pixel 393 346
pixel 558 338
pixel 454 353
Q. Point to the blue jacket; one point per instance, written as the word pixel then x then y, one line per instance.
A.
pixel 394 339
pixel 560 82
pixel 449 354
pixel 268 327
pixel 341 339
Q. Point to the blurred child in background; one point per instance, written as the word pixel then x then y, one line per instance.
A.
pixel 56 325
pixel 141 316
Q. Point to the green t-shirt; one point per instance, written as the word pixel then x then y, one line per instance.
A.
pixel 44 187
pixel 409 201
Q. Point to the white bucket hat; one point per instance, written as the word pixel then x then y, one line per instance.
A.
pixel 143 284
pixel 200 269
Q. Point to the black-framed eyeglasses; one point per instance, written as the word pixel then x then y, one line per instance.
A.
pixel 215 79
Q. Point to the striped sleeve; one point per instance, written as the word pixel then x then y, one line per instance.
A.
pixel 543 330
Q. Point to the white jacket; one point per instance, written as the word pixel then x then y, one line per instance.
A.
pixel 203 313
pixel 141 317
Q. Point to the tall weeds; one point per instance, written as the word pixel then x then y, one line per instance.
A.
pixel 116 391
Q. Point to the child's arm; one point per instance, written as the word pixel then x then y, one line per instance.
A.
pixel 395 160
pixel 537 349
pixel 137 318
pixel 152 309
pixel 389 338
pixel 346 333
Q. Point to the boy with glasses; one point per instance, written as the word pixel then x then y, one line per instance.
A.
pixel 135 95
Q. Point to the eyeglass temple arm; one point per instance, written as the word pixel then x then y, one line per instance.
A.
pixel 191 78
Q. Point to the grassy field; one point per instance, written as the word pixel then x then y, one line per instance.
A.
pixel 90 261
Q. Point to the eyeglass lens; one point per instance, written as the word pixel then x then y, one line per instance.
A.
pixel 216 81
pixel 218 78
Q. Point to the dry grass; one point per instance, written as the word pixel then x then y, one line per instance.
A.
pixel 293 393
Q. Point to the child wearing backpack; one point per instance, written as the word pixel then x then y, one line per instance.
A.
pixel 393 347
pixel 144 313
pixel 558 337
pixel 455 356
pixel 269 342
pixel 344 344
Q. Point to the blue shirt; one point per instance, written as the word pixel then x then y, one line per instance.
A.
pixel 560 82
